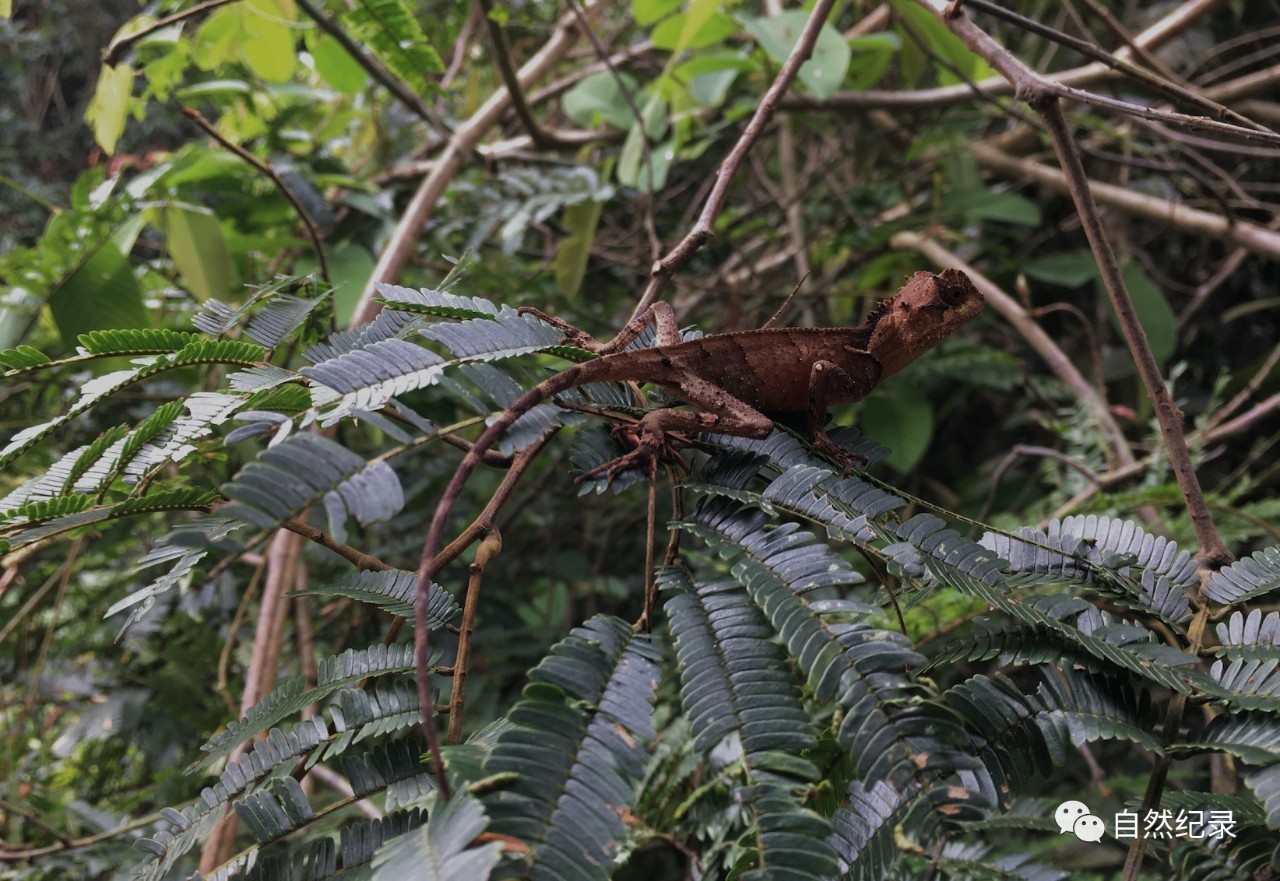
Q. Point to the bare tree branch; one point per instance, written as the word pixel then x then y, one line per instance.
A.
pixel 702 229
pixel 1171 25
pixel 1256 238
pixel 461 143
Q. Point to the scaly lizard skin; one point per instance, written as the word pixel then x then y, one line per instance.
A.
pixel 740 382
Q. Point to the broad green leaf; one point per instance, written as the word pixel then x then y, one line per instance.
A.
pixel 646 12
pixel 215 42
pixel 598 97
pixel 214 88
pixel 199 250
pixel 1069 270
pixel 349 268
pixel 101 293
pixel 777 35
pixel 708 75
pixel 128 231
pixel 268 46
pixel 921 24
pixel 390 30
pixel 654 114
pixel 984 204
pixel 901 417
pixel 1078 267
pixel 633 171
pixel 336 66
pixel 691 23
pixel 106 112
pixel 168 69
pixel 1156 317
pixel 871 56
pixel 678 33
pixel 6 8
pixel 201 165
pixel 580 220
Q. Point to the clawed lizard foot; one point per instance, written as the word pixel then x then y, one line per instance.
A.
pixel 844 458
pixel 646 450
pixel 572 336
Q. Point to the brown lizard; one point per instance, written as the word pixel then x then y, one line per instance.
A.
pixel 740 381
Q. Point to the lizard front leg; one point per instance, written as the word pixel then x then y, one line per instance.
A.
pixel 719 411
pixel 829 381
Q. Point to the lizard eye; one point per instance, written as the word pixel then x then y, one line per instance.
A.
pixel 952 293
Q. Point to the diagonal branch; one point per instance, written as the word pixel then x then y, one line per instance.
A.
pixel 1044 98
pixel 1241 233
pixel 461 144
pixel 501 52
pixel 702 229
pixel 1171 25
pixel 1084 47
pixel 1119 453
pixel 313 234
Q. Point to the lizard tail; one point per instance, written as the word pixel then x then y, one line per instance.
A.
pixel 427 567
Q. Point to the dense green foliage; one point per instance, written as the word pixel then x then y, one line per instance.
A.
pixel 899 672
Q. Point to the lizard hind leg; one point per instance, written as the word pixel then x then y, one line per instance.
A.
pixel 719 412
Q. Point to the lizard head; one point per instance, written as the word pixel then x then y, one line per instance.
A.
pixel 929 308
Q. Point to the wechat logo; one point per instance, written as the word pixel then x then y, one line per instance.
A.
pixel 1074 817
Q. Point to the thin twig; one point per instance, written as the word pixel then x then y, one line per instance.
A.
pixel 703 229
pixel 791 193
pixel 362 561
pixel 313 234
pixel 501 52
pixel 34 600
pixel 568 81
pixel 1255 382
pixel 342 786
pixel 1057 456
pixel 1150 59
pixel 1089 50
pixel 490 547
pixel 1213 553
pixel 646 150
pixel 1258 239
pixel 224 657
pixel 9 856
pixel 111 55
pixel 421 628
pixel 1171 25
pixel 461 47
pixel 34 820
pixel 283 561
pixel 404 241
